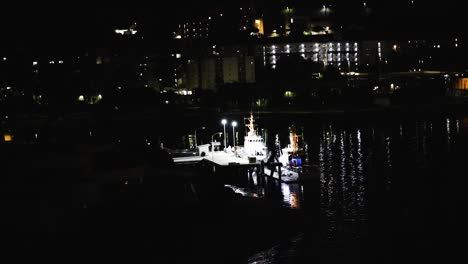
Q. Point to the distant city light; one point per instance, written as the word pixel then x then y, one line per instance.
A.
pixel 35 63
pixel 81 98
pixel 8 137
pixel 4 58
pixel 126 31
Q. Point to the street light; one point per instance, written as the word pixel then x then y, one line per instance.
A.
pixel 224 122
pixel 212 136
pixel 234 124
pixel 200 128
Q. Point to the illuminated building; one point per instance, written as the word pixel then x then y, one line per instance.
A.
pixel 460 85
pixel 328 53
pixel 258 24
pixel 131 30
pixel 197 28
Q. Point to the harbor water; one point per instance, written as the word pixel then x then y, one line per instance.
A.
pixel 389 190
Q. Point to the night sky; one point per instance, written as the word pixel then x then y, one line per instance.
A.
pixel 87 24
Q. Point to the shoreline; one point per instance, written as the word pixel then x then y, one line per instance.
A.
pixel 369 112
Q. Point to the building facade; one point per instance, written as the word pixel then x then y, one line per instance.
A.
pixel 337 53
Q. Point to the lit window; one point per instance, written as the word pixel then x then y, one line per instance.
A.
pixel 7 137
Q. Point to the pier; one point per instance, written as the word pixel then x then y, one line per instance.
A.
pixel 228 160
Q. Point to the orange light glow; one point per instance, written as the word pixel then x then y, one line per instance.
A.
pixel 259 26
pixel 294 201
pixel 8 137
pixel 461 83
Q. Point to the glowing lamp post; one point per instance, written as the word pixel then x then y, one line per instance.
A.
pixel 234 124
pixel 224 122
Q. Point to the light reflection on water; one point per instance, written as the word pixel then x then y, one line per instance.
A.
pixel 349 157
pixel 290 194
pixel 356 161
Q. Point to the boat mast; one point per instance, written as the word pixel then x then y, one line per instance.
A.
pixel 251 125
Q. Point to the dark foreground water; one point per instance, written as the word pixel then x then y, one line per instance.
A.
pixel 389 191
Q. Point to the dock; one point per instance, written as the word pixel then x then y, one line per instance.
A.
pixel 230 160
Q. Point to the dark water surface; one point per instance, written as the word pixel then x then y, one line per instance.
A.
pixel 390 191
